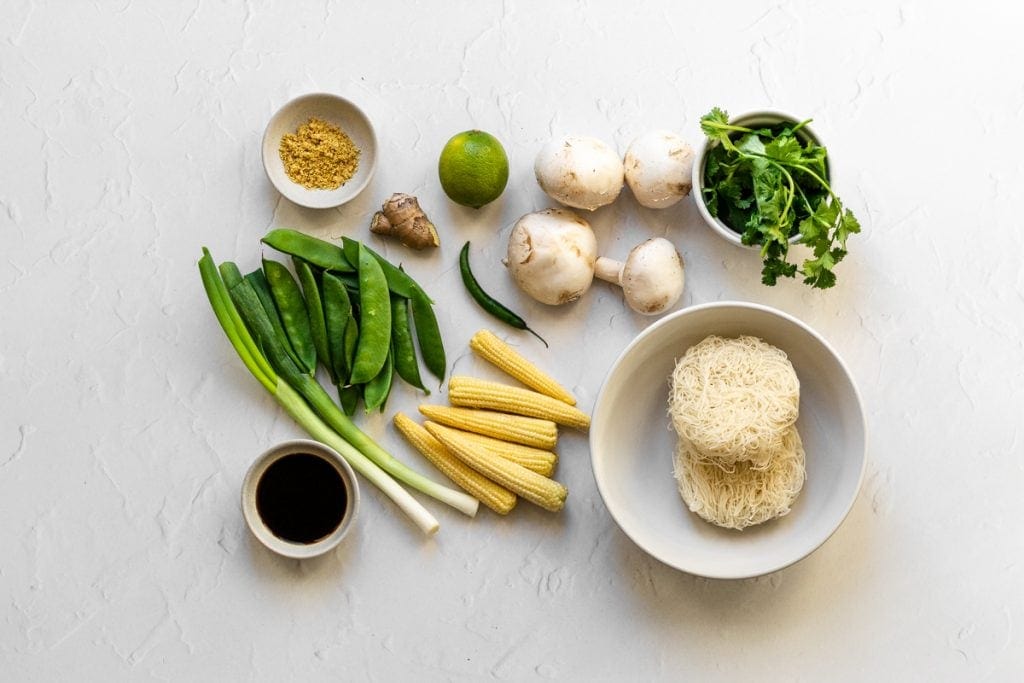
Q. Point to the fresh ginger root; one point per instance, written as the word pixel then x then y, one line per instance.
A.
pixel 402 217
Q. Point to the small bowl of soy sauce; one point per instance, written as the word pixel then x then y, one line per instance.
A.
pixel 299 498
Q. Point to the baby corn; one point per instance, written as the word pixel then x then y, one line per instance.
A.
pixel 496 497
pixel 547 493
pixel 528 431
pixel 505 358
pixel 540 461
pixel 471 392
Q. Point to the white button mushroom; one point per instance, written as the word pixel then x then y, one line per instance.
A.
pixel 581 172
pixel 659 166
pixel 551 255
pixel 651 278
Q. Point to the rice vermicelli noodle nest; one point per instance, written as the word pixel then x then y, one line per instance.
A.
pixel 733 400
pixel 741 495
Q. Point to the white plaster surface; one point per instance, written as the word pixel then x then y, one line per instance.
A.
pixel 131 136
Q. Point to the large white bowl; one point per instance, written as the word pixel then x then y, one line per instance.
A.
pixel 632 442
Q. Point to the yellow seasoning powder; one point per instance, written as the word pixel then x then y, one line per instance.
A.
pixel 319 155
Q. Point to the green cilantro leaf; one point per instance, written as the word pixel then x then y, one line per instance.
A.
pixel 847 226
pixel 770 184
pixel 709 121
pixel 785 149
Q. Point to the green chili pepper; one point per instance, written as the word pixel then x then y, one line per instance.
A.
pixel 375 394
pixel 315 311
pixel 374 319
pixel 406 365
pixel 427 333
pixel 308 248
pixel 292 309
pixel 337 311
pixel 486 301
pixel 258 281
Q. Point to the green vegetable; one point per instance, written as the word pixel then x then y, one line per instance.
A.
pixel 340 261
pixel 486 301
pixel 332 257
pixel 351 282
pixel 351 340
pixel 258 281
pixel 376 391
pixel 315 310
pixel 398 282
pixel 291 306
pixel 406 365
pixel 349 396
pixel 374 319
pixel 337 311
pixel 308 248
pixel 769 186
pixel 428 334
pixel 365 456
pixel 229 271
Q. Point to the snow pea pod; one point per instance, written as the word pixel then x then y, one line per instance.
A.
pixel 428 335
pixel 292 309
pixel 375 394
pixel 348 397
pixel 351 281
pixel 374 319
pixel 315 311
pixel 311 249
pixel 337 310
pixel 259 284
pixel 398 282
pixel 351 340
pixel 406 365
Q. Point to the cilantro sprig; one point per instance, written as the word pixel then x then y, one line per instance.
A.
pixel 768 185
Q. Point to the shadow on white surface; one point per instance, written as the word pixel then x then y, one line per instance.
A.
pixel 286 573
pixel 671 598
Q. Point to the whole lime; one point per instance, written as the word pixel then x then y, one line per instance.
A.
pixel 473 168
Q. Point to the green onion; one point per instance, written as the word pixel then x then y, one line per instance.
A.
pixel 331 426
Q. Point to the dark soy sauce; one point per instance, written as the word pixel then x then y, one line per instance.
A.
pixel 301 498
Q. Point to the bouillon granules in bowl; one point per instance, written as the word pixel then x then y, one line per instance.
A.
pixel 319 150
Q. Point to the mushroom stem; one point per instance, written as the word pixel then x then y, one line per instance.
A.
pixel 651 278
pixel 609 270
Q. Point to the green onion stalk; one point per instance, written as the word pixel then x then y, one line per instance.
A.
pixel 304 399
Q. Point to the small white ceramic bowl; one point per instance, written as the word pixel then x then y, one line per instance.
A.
pixel 341 113
pixel 754 119
pixel 259 528
pixel 632 445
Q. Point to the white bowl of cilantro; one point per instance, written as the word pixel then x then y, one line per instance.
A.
pixel 763 181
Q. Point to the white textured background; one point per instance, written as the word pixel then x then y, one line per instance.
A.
pixel 130 137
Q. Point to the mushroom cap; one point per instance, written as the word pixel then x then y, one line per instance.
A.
pixel 659 169
pixel 551 255
pixel 579 171
pixel 652 279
